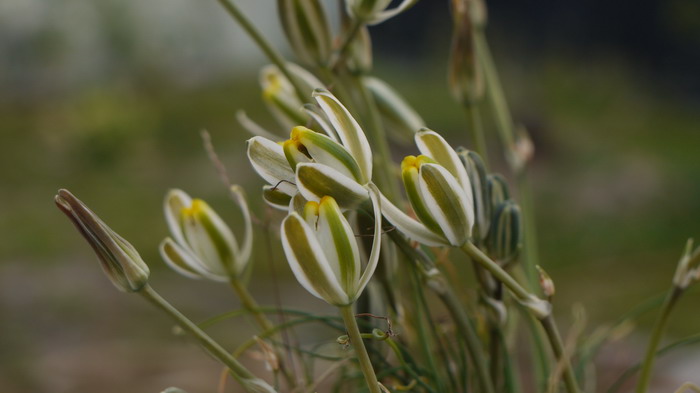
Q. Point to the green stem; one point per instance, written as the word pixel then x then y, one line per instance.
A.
pixel 554 337
pixel 477 130
pixel 377 137
pixel 249 303
pixel 360 350
pixel 497 99
pixel 355 27
pixel 468 331
pixel 541 309
pixel 530 249
pixel 238 371
pixel 655 339
pixel 272 54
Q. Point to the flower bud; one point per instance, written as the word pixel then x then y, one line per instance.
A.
pixel 497 190
pixel 119 259
pixel 546 282
pixel 323 253
pixel 476 171
pixel 281 98
pixel 305 25
pixel 399 118
pixel 505 238
pixel 204 246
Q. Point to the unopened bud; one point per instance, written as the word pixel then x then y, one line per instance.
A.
pixel 119 259
pixel 476 170
pixel 497 190
pixel 546 283
pixel 305 25
pixel 505 238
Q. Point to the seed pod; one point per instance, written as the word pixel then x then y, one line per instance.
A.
pixel 466 75
pixel 119 259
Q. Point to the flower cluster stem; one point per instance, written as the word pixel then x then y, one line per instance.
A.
pixel 360 350
pixel 238 371
pixel 272 54
pixel 655 339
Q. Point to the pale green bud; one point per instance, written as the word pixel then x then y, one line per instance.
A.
pixel 119 259
pixel 400 119
pixel 305 25
pixel 505 238
pixel 281 98
pixel 476 171
pixel 323 252
pixel 497 190
pixel 203 245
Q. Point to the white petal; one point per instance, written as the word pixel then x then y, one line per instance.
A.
pixel 308 262
pixel 268 160
pixel 375 253
pixel 348 130
pixel 175 201
pixel 448 205
pixel 245 251
pixel 410 227
pixel 341 248
pixel 254 128
pixel 183 262
pixel 388 14
pixel 316 181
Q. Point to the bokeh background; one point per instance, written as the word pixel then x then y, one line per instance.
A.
pixel 107 98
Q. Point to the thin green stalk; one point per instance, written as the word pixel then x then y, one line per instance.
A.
pixel 265 324
pixel 468 331
pixel 477 130
pixel 238 371
pixel 377 137
pixel 272 54
pixel 525 297
pixel 550 328
pixel 499 105
pixel 249 303
pixel 530 249
pixel 659 327
pixel 360 350
pixel 344 48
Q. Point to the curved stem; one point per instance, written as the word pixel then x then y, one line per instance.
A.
pixel 272 54
pixel 655 339
pixel 360 350
pixel 238 371
pixel 541 309
pixel 249 303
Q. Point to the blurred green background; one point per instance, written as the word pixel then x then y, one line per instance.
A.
pixel 106 98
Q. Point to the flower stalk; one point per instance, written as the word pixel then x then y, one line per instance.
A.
pixel 360 349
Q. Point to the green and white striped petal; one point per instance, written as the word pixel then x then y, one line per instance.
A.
pixel 388 14
pixel 375 252
pixel 447 202
pixel 340 247
pixel 254 128
pixel 210 239
pixel 410 176
pixel 246 249
pixel 476 170
pixel 182 261
pixel 305 25
pixel 276 198
pixel 325 151
pixel 315 181
pixel 175 201
pixel 433 145
pixel 410 227
pixel 308 261
pixel 320 119
pixel 269 161
pixel 349 131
